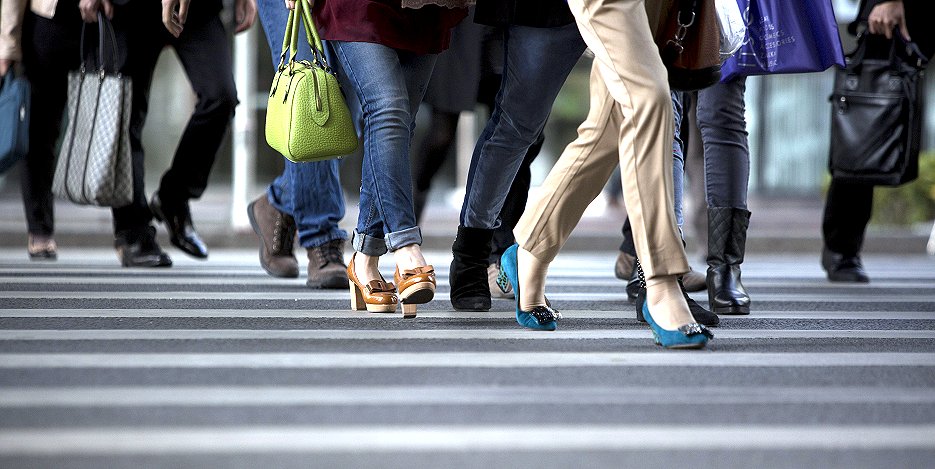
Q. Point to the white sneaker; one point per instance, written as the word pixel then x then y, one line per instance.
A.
pixel 498 283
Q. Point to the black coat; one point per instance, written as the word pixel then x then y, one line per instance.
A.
pixel 535 13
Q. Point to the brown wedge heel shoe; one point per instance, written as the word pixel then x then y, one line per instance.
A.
pixel 416 287
pixel 376 296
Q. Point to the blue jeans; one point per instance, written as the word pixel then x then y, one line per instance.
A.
pixel 390 85
pixel 310 192
pixel 678 158
pixel 720 114
pixel 536 63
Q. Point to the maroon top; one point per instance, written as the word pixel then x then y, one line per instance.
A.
pixel 425 30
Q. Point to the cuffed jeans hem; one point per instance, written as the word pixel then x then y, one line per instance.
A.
pixel 368 245
pixel 403 238
pixel 320 240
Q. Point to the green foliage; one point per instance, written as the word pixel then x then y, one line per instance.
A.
pixel 910 203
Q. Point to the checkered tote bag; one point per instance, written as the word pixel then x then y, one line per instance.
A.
pixel 94 163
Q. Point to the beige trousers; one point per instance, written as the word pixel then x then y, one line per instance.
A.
pixel 630 121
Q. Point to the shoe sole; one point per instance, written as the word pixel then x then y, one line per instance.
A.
pixel 331 283
pixel 477 303
pixel 840 279
pixel 733 310
pixel 417 294
pixel 197 255
pixel 264 265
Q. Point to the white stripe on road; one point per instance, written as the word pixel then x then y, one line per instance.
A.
pixel 393 439
pixel 306 294
pixel 626 312
pixel 225 277
pixel 455 395
pixel 432 334
pixel 458 360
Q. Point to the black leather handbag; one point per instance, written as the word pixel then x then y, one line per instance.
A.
pixel 876 117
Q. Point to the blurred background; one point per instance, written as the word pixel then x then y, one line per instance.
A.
pixel 787 116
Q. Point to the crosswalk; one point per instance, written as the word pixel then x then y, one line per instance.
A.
pixel 215 364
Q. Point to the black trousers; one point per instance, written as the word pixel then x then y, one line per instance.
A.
pixel 847 212
pixel 204 51
pixel 50 50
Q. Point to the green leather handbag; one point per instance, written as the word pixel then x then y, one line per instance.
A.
pixel 307 118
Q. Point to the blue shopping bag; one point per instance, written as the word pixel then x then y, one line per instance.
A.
pixel 14 119
pixel 786 36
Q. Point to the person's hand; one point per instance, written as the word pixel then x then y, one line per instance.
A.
pixel 172 19
pixel 886 16
pixel 244 14
pixel 5 64
pixel 290 4
pixel 89 9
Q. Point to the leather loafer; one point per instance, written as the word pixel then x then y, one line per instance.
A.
pixel 178 221
pixel 138 248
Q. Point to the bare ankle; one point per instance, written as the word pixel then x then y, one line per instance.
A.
pixel 666 302
pixel 408 257
pixel 366 267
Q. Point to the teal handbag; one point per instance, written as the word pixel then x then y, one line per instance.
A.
pixel 307 118
pixel 14 119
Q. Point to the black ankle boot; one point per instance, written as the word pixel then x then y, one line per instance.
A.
pixel 468 273
pixel 727 238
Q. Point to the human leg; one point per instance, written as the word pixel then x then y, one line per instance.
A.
pixel 135 237
pixel 306 196
pixel 50 50
pixel 627 63
pixel 428 159
pixel 568 189
pixel 204 52
pixel 389 85
pixel 536 63
pixel 720 113
pixel 848 207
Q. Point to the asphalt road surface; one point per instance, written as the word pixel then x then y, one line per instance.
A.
pixel 216 364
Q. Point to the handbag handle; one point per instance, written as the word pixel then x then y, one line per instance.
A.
pixel 101 20
pixel 912 49
pixel 290 42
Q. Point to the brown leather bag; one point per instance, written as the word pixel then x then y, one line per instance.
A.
pixel 690 44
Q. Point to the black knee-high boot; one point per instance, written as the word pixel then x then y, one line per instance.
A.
pixel 727 239
pixel 468 273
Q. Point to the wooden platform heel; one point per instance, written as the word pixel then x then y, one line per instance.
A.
pixel 376 297
pixel 416 287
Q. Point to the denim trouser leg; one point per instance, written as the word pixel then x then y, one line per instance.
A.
pixel 536 63
pixel 720 113
pixel 678 158
pixel 389 85
pixel 310 192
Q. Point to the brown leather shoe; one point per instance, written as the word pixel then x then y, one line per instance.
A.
pixel 416 287
pixel 694 281
pixel 276 231
pixel 623 268
pixel 326 267
pixel 377 296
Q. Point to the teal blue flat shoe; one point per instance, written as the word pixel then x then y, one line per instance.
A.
pixel 541 318
pixel 688 336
